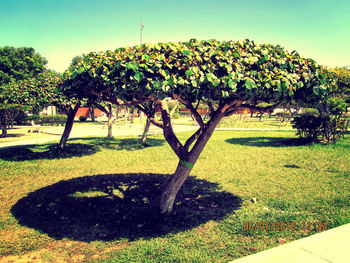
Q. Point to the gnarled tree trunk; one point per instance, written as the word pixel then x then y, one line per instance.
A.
pixel 68 127
pixel 172 187
pixel 186 163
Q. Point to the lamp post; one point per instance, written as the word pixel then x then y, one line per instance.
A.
pixel 141 29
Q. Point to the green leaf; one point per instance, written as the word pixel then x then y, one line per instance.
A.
pixel 278 84
pixel 225 94
pixel 186 52
pixel 250 84
pixel 194 83
pixel 189 73
pixel 181 82
pixel 157 85
pixel 171 81
pixel 165 88
pixel 138 77
pixel 316 90
pixel 253 59
pixel 210 77
pixel 216 82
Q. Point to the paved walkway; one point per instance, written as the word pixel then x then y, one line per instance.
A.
pixel 53 133
pixel 331 246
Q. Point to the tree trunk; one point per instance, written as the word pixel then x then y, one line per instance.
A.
pixel 145 131
pixel 92 113
pixel 13 116
pixel 3 116
pixel 117 113
pixel 125 115
pixel 185 166
pixel 68 128
pixel 172 188
pixel 141 117
pixel 109 121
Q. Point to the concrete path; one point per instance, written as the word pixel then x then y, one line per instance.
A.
pixel 53 133
pixel 331 246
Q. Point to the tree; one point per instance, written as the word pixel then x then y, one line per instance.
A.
pixel 342 78
pixel 226 76
pixel 16 65
pixel 44 91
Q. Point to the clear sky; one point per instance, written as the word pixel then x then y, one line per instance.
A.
pixel 62 29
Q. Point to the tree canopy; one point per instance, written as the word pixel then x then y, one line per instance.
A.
pixel 17 65
pixel 211 71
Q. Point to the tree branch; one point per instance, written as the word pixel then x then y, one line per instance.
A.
pixel 194 112
pixel 232 111
pixel 194 137
pixel 168 131
pixel 211 108
pixel 226 106
pixel 174 108
pixel 205 134
pixel 155 122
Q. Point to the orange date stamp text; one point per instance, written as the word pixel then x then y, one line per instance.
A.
pixel 284 226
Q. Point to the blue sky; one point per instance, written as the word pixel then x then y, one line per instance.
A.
pixel 62 29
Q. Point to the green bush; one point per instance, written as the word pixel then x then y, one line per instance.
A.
pixel 282 116
pixel 311 112
pixel 82 118
pixel 35 118
pixel 52 120
pixel 176 115
pixel 22 118
pixel 316 128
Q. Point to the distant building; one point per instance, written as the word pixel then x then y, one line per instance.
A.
pixel 86 112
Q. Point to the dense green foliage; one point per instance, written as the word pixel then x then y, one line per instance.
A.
pixel 324 128
pixel 16 65
pixel 56 120
pixel 207 70
pixel 342 77
pixel 19 63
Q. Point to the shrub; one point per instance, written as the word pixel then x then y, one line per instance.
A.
pixel 53 120
pixel 315 128
pixel 35 117
pixel 22 118
pixel 282 116
pixel 176 115
pixel 311 112
pixel 82 118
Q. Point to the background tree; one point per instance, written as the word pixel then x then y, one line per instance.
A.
pixel 226 76
pixel 342 78
pixel 17 64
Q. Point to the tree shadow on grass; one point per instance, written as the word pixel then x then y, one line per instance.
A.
pixel 74 148
pixel 113 206
pixel 46 151
pixel 269 141
pixel 13 135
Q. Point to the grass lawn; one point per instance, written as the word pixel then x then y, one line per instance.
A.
pixel 97 202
